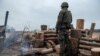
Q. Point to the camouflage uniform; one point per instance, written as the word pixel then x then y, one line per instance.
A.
pixel 62 28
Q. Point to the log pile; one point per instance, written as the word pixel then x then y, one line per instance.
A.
pixel 84 42
pixel 88 44
pixel 77 39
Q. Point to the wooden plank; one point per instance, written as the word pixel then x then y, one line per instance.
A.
pixel 89 39
pixel 86 47
pixel 50 35
pixel 89 43
pixel 49 32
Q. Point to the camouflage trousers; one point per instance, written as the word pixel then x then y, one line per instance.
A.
pixel 65 44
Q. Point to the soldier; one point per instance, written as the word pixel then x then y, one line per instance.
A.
pixel 62 28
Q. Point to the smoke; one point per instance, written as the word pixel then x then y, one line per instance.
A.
pixel 11 39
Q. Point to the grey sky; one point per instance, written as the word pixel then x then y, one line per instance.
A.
pixel 33 13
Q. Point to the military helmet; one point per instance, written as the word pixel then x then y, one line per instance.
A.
pixel 64 4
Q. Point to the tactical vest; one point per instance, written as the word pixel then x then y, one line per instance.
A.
pixel 67 17
pixel 66 20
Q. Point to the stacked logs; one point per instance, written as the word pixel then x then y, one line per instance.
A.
pixel 51 37
pixel 88 44
pixel 84 42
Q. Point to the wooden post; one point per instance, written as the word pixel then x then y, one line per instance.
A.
pixel 43 27
pixel 91 29
pixel 95 51
pixel 80 24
